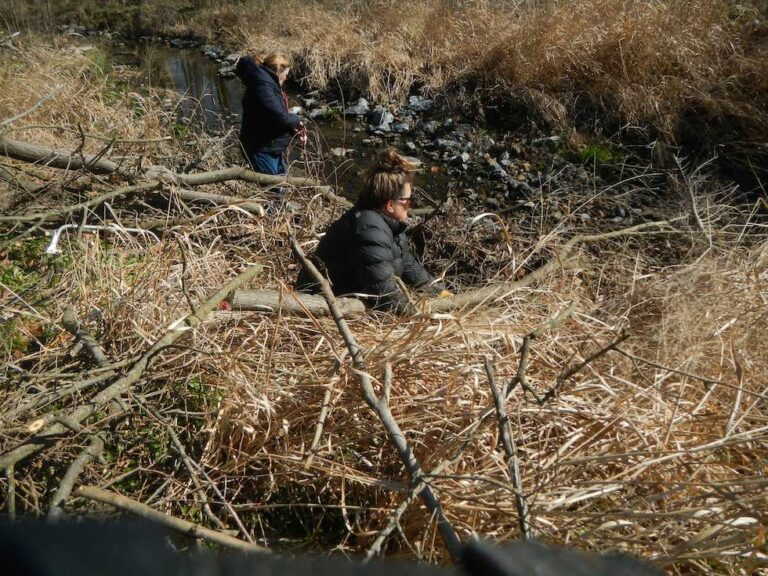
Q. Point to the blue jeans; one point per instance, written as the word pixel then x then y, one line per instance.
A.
pixel 267 163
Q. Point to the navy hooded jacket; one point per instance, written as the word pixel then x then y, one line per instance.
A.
pixel 362 252
pixel 267 125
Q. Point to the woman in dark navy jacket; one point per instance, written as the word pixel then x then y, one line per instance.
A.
pixel 267 126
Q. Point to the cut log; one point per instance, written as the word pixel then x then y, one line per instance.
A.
pixel 292 303
pixel 56 158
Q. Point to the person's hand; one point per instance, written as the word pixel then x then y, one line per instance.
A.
pixel 301 130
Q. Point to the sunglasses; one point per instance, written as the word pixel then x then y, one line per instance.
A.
pixel 406 201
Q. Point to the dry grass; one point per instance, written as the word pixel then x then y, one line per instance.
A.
pixel 681 69
pixel 660 451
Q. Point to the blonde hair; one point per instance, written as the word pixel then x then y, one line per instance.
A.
pixel 386 179
pixel 277 62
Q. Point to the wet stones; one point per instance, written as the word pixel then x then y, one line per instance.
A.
pixel 359 108
pixel 380 119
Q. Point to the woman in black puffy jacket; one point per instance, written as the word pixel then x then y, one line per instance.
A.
pixel 267 126
pixel 366 248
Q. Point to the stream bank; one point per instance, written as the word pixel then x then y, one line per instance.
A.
pixel 486 170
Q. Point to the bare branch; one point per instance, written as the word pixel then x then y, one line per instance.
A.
pixel 177 524
pixel 510 449
pixel 94 449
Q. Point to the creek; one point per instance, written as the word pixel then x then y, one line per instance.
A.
pixel 340 145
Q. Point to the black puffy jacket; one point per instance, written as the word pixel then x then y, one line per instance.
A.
pixel 362 252
pixel 267 125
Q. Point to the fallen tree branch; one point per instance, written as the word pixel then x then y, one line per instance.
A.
pixel 510 449
pixel 10 499
pixel 177 524
pixel 397 513
pixel 199 490
pixel 42 440
pixel 488 293
pixel 67 211
pixel 84 338
pixel 292 303
pixel 325 409
pixel 72 160
pixel 221 199
pixel 382 411
pixel 94 449
pixel 56 158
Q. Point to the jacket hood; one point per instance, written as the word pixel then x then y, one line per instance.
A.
pixel 251 73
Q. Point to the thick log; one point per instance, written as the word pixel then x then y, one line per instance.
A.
pixel 56 158
pixel 292 303
pixel 71 160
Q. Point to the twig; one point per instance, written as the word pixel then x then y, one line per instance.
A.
pixel 124 383
pixel 199 490
pixel 699 377
pixel 397 513
pixel 510 449
pixel 325 409
pixel 83 337
pixel 574 369
pixel 396 435
pixel 525 351
pixel 692 196
pixel 177 524
pixel 29 111
pixel 94 449
pixel 11 494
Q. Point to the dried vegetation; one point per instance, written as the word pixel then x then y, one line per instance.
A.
pixel 657 447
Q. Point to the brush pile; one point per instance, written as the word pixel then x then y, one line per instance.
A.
pixel 632 360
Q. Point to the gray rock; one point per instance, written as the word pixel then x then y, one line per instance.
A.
pixel 322 112
pixel 448 144
pixel 227 71
pixel 411 146
pixel 619 212
pixel 401 127
pixel 430 127
pixel 359 108
pixel 381 119
pixel 546 140
pixel 584 217
pixel 419 103
pixel 309 103
pixel 497 170
pixel 448 123
pixel 461 159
